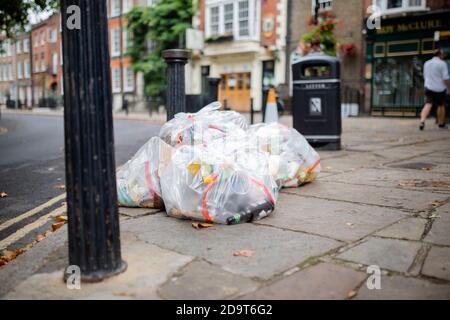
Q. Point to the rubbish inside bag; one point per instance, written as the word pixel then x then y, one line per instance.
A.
pixel 293 162
pixel 212 166
pixel 203 184
pixel 138 180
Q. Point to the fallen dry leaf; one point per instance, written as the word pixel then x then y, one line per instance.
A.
pixel 3 194
pixel 200 225
pixel 243 253
pixel 61 218
pixel 60 186
pixel 351 294
pixel 57 225
pixel 436 203
pixel 40 237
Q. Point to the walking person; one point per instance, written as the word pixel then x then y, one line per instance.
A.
pixel 436 75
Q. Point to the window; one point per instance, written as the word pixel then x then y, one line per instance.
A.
pixel 26 66
pixel 42 37
pixel 115 8
pixel 26 45
pixel 43 66
pixel 127 5
pixel 214 20
pixel 400 6
pixel 116 80
pixel 35 40
pixel 228 18
pixel 239 18
pixel 55 63
pixel 129 79
pixel 19 70
pixel 243 18
pixel 6 49
pixel 52 35
pixel 126 40
pixel 19 46
pixel 36 63
pixel 115 42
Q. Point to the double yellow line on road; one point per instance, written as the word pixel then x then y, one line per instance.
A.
pixel 4 243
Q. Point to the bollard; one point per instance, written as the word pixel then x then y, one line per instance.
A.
pixel 252 112
pixel 93 219
pixel 213 91
pixel 175 87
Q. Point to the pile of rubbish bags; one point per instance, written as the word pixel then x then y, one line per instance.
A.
pixel 212 166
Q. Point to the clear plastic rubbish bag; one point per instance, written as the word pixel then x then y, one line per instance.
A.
pixel 202 127
pixel 138 182
pixel 227 188
pixel 293 162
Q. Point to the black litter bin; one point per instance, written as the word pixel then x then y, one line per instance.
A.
pixel 317 100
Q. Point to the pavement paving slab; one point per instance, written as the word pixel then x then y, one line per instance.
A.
pixel 419 180
pixel 390 254
pixel 407 229
pixel 403 288
pixel 201 280
pixel 334 219
pixel 440 230
pixel 321 281
pixel 148 267
pixel 274 250
pixel 389 197
pixel 437 264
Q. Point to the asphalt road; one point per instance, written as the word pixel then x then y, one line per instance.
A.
pixel 32 161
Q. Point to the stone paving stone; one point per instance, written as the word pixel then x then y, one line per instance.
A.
pixel 322 281
pixel 148 268
pixel 388 177
pixel 391 197
pixel 440 230
pixel 432 166
pixel 275 250
pixel 437 264
pixel 408 229
pixel 200 280
pixel 137 212
pixel 391 254
pixel 338 220
pixel 402 288
pixel 351 162
pixel 410 151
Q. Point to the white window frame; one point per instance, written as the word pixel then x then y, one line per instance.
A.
pixel 115 42
pixel 127 5
pixel 55 63
pixel 19 46
pixel 19 70
pixel 42 37
pixel 382 4
pixel 116 88
pixel 127 85
pixel 254 18
pixel 52 35
pixel 115 8
pixel 26 67
pixel 26 45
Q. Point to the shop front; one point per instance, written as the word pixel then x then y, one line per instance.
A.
pixel 396 54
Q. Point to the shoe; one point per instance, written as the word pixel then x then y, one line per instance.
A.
pixel 422 126
pixel 443 126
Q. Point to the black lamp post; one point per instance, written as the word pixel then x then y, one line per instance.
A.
pixel 94 238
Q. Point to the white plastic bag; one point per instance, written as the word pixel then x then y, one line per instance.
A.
pixel 138 182
pixel 293 162
pixel 202 184
pixel 202 127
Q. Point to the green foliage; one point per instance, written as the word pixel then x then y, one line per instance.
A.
pixel 14 14
pixel 162 26
pixel 321 36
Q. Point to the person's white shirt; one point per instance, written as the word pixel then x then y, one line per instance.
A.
pixel 435 72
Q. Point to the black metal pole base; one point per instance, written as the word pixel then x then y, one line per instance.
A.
pixel 99 276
